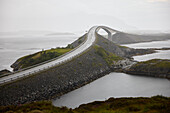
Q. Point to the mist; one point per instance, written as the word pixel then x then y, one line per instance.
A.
pixel 79 16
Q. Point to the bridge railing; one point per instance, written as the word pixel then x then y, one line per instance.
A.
pixel 37 71
pixel 46 61
pixel 30 73
pixel 45 68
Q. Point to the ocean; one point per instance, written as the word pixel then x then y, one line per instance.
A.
pixel 14 47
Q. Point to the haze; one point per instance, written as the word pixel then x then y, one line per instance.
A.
pixel 80 15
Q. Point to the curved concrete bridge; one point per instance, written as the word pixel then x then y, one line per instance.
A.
pixel 91 37
pixel 109 31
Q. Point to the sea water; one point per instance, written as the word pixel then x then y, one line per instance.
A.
pixel 14 47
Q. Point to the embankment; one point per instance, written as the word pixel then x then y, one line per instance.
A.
pixel 92 64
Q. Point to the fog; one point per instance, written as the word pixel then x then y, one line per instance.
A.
pixel 80 15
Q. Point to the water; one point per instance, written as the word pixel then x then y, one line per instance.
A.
pixel 111 85
pixel 115 85
pixel 120 84
pixel 12 47
pixel 160 54
pixel 154 44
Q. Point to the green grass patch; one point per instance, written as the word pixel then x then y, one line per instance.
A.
pixel 41 56
pixel 155 67
pixel 107 56
pixel 122 46
pixel 155 63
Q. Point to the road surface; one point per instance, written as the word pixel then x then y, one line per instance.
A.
pixel 25 73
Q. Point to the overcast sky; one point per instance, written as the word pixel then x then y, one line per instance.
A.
pixel 80 15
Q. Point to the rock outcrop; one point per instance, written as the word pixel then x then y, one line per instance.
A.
pixel 155 68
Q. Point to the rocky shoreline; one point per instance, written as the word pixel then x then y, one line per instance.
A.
pixel 56 81
pixel 154 68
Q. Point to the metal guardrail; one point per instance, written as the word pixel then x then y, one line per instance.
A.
pixel 34 72
pixel 47 60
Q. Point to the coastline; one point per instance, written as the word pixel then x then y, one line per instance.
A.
pixel 67 77
pixel 155 104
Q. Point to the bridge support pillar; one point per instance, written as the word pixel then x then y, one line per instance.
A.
pixel 110 36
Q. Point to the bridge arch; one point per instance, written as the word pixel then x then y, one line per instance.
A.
pixel 108 30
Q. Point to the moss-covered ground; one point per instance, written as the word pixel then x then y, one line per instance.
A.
pixel 154 65
pixel 157 104
pixel 41 56
pixel 157 63
pixel 109 57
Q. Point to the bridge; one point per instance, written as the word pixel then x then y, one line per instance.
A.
pixel 109 31
pixel 90 40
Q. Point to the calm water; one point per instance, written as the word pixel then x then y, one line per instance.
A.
pixel 120 84
pixel 154 44
pixel 12 47
pixel 111 85
pixel 161 54
pixel 115 85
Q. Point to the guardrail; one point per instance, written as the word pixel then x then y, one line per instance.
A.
pixel 30 73
pixel 34 72
pixel 45 68
pixel 47 60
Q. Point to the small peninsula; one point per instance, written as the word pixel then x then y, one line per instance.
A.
pixel 154 67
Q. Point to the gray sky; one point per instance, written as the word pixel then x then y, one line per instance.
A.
pixel 80 15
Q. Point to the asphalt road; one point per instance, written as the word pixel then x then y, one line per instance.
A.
pixel 89 42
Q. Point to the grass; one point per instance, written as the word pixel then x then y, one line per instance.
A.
pixel 159 63
pixel 156 104
pixel 155 63
pixel 41 56
pixel 122 46
pixel 107 56
pixel 155 67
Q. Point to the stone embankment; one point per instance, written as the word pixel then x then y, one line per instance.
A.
pixel 66 77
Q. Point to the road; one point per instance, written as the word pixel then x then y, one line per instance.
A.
pixel 68 56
